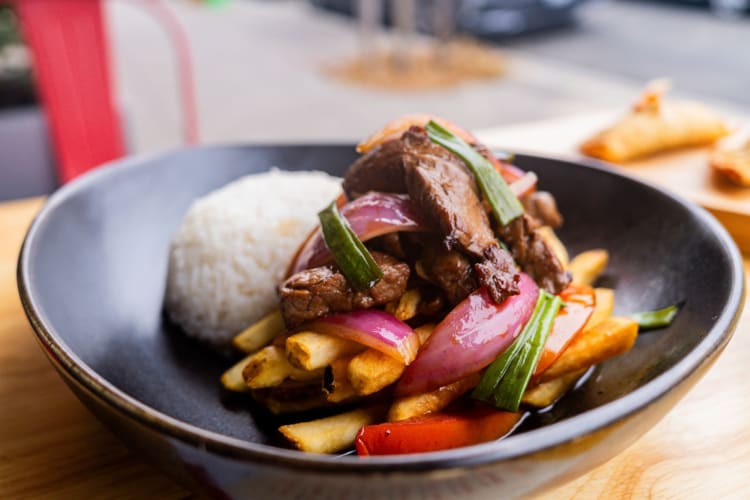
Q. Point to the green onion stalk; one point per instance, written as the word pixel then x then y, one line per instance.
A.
pixel 506 379
pixel 350 254
pixel 504 204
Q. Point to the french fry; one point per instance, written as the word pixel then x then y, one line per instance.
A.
pixel 609 338
pixel 545 394
pixel 232 379
pixel 605 304
pixel 587 266
pixel 430 402
pixel 310 350
pixel 336 385
pixel 260 333
pixel 331 434
pixel 291 397
pixel 269 367
pixel 408 304
pixel 554 243
pixel 423 332
pixel 370 371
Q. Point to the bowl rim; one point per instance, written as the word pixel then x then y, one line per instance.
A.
pixel 72 367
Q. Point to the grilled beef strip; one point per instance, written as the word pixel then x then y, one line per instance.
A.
pixel 449 270
pixel 381 169
pixel 315 292
pixel 440 184
pixel 542 206
pixel 534 255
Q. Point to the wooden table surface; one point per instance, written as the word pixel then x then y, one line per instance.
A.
pixel 50 446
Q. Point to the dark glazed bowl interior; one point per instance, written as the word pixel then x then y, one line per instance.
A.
pixel 92 275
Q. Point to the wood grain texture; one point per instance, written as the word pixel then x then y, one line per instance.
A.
pixel 51 447
pixel 685 172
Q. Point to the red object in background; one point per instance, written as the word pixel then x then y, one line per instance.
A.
pixel 70 51
pixel 71 62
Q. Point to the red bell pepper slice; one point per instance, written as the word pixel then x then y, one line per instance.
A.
pixel 580 302
pixel 436 432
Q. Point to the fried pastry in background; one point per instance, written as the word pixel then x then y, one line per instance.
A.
pixel 654 125
pixel 734 164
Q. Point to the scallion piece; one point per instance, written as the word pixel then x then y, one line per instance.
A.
pixel 505 206
pixel 349 253
pixel 650 320
pixel 506 379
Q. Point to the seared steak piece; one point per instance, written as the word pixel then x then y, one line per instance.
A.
pixel 389 243
pixel 498 273
pixel 445 191
pixel 533 255
pixel 449 270
pixel 381 169
pixel 440 184
pixel 315 292
pixel 542 206
pixel 431 303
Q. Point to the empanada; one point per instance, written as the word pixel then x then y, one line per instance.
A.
pixel 655 125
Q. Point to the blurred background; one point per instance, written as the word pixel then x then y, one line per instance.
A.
pixel 85 81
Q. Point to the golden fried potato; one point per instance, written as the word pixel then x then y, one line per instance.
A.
pixel 270 367
pixel 609 338
pixel 336 383
pixel 310 350
pixel 543 395
pixel 408 305
pixel 429 402
pixel 260 333
pixel 232 379
pixel 331 434
pixel 605 304
pixel 371 371
pixel 586 267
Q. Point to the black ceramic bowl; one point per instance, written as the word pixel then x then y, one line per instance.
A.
pixel 92 274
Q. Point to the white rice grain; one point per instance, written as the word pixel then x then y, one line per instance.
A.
pixel 233 246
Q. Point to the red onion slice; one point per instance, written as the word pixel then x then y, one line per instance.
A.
pixel 373 328
pixel 371 215
pixel 469 338
pixel 524 185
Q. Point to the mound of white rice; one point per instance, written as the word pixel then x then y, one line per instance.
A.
pixel 233 247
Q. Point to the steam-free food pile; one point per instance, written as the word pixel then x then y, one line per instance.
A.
pixel 431 306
